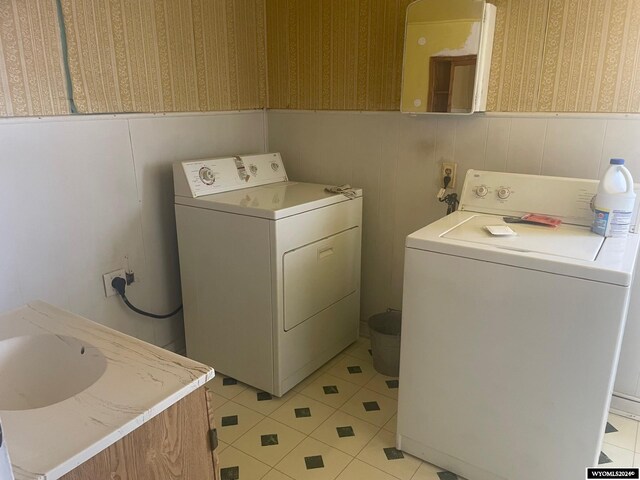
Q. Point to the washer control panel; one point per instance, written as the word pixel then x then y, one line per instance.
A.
pixel 217 175
pixel 516 194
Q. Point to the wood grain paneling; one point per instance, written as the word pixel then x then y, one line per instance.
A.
pixel 518 48
pixel 172 445
pixel 566 56
pixel 212 425
pixel 332 54
pixel 549 55
pixel 206 55
pixel 166 55
pixel 31 68
pixel 592 57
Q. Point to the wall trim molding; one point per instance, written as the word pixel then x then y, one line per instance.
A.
pixel 578 115
pixel 122 116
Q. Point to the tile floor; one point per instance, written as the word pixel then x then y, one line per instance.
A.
pixel 339 423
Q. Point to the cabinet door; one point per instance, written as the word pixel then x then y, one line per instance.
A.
pixel 174 444
pixel 212 427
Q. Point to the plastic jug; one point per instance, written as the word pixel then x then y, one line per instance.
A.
pixel 613 204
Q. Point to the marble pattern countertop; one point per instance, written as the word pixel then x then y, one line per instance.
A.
pixel 140 381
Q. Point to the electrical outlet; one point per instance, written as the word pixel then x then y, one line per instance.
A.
pixel 448 169
pixel 109 291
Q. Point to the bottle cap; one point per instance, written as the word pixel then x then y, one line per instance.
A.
pixel 616 161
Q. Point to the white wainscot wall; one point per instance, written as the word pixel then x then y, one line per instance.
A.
pixel 396 159
pixel 78 195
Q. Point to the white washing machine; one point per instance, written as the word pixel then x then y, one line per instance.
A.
pixel 270 269
pixel 626 390
pixel 510 343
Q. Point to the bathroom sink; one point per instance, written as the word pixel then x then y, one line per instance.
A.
pixel 40 370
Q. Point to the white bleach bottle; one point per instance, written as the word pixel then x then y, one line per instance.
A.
pixel 613 204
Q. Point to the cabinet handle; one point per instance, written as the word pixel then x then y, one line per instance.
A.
pixel 213 439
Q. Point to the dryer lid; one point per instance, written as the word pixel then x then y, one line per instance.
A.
pixel 274 201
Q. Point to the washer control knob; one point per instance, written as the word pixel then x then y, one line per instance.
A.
pixel 253 169
pixel 503 193
pixel 207 176
pixel 481 191
pixel 274 166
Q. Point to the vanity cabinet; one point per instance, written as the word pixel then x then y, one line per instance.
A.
pixel 175 444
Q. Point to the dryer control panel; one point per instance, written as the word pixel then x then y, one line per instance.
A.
pixel 196 178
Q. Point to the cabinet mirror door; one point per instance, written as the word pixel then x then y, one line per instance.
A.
pixel 447 53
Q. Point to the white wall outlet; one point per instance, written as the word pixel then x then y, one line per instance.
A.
pixel 448 169
pixel 109 291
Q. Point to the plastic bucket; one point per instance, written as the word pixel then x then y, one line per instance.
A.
pixel 384 329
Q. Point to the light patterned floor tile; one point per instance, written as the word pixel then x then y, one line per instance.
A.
pixel 269 441
pixel 238 465
pixel 262 402
pixel 387 386
pixel 330 390
pixel 619 457
pixel 360 349
pixel 371 407
pixel 221 447
pixel 637 449
pixel 276 475
pixel 354 370
pixel 358 470
pixel 218 400
pixel 233 420
pixel 314 460
pixel 345 432
pixel 302 413
pixel 426 471
pixel 380 452
pixel 226 386
pixel 307 381
pixel 390 426
pixel 622 432
pixel 327 366
pixel 636 460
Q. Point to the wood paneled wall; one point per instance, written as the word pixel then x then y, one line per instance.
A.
pixel 566 56
pixel 31 69
pixel 204 55
pixel 335 54
pixel 166 55
pixel 549 55
pixel 517 59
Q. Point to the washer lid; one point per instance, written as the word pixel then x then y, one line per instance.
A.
pixel 566 250
pixel 274 201
pixel 568 241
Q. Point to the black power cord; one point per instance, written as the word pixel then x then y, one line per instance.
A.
pixel 452 202
pixel 446 180
pixel 119 284
pixel 451 199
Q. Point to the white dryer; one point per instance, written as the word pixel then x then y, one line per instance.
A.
pixel 510 343
pixel 270 269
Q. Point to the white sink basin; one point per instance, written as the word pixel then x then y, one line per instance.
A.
pixel 40 370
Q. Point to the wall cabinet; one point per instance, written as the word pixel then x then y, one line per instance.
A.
pixel 175 444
